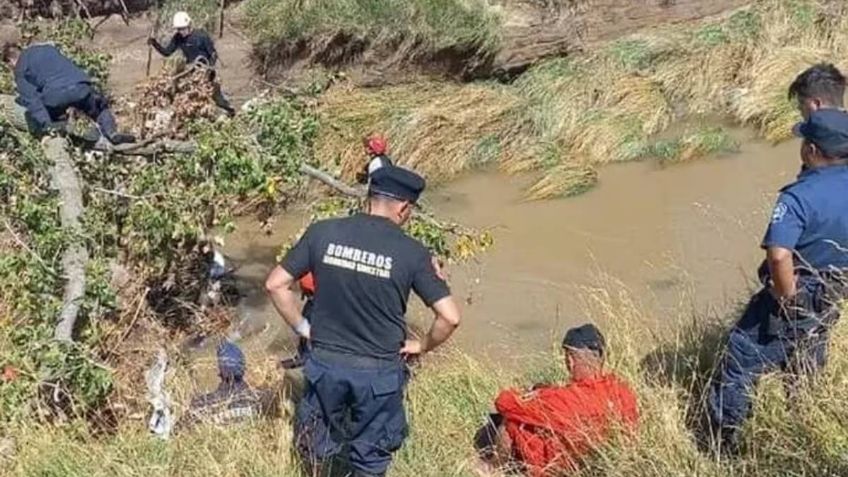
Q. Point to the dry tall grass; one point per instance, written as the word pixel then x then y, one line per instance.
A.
pixel 565 117
pixel 451 392
pixel 438 129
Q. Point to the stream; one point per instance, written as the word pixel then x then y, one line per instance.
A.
pixel 680 237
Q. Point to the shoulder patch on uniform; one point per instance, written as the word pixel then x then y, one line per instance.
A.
pixel 778 213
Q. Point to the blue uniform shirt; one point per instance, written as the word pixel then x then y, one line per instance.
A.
pixel 811 218
pixel 44 68
pixel 196 45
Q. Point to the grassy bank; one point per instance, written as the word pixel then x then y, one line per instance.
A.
pixel 451 392
pixel 565 117
pixel 334 30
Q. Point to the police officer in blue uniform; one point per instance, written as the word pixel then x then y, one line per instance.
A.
pixel 821 86
pixel 364 267
pixel 48 83
pixel 785 326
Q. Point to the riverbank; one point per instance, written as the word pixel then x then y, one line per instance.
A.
pixel 566 117
pixel 560 122
pixel 450 394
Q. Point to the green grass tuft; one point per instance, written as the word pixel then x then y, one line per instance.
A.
pixel 692 145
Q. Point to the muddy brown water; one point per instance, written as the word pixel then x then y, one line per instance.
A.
pixel 682 238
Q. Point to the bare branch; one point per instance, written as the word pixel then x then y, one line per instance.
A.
pixel 331 181
pixel 65 178
pixel 121 194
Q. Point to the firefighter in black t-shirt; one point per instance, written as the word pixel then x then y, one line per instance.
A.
pixel 366 266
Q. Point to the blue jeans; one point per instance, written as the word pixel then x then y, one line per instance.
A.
pixel 760 344
pixel 358 406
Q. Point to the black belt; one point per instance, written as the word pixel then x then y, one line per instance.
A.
pixel 354 361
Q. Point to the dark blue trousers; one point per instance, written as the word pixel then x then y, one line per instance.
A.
pixel 82 96
pixel 360 407
pixel 764 341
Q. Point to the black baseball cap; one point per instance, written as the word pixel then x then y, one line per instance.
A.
pixel 828 130
pixel 586 336
pixel 397 183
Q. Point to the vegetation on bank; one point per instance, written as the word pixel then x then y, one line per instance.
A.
pixel 451 393
pixel 567 116
pixel 145 221
pixel 564 118
pixel 283 30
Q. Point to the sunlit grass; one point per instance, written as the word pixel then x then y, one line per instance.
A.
pixel 450 394
pixel 566 117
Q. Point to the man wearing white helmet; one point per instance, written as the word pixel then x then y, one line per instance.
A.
pixel 196 46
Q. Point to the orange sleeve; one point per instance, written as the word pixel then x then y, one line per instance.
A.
pixel 532 408
pixel 528 447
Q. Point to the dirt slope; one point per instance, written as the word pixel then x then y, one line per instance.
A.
pixel 532 30
pixel 128 47
pixel 533 33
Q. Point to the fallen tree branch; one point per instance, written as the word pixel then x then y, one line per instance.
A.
pixel 64 177
pixel 125 13
pixel 331 181
pixel 164 146
pixel 83 8
pixel 122 194
pixel 12 112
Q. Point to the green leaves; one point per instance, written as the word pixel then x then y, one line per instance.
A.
pixel 286 130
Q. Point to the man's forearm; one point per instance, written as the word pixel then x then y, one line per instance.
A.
pixel 446 320
pixel 167 50
pixel 782 271
pixel 286 304
pixel 439 332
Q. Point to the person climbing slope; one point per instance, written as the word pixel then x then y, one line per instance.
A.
pixel 48 84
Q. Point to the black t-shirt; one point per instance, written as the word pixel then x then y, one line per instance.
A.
pixel 364 267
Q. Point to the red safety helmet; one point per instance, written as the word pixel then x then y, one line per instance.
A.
pixel 307 284
pixel 376 145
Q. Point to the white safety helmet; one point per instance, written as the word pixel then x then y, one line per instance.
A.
pixel 182 20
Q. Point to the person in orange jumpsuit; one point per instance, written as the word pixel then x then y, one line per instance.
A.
pixel 550 429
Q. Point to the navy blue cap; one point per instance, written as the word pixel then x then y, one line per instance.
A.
pixel 231 361
pixel 586 336
pixel 828 130
pixel 397 183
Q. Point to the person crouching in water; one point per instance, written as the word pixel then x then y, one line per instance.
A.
pixel 376 149
pixel 550 429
